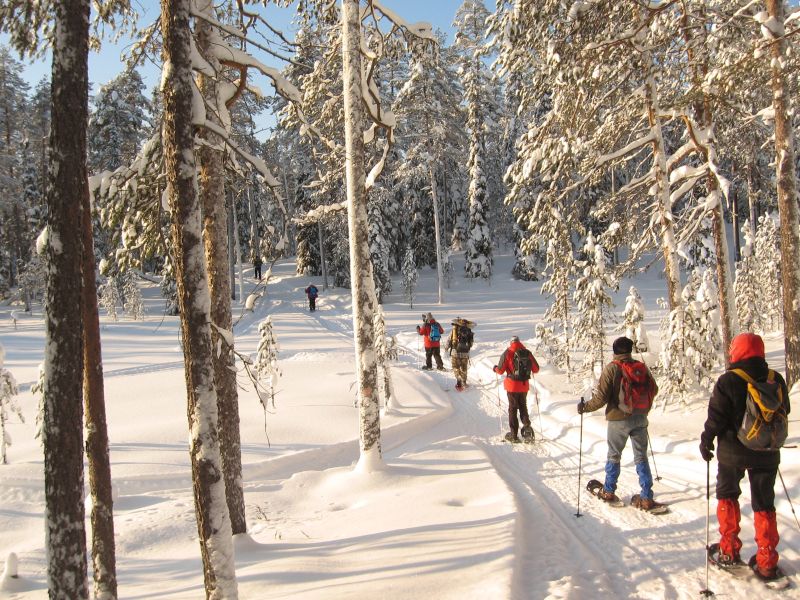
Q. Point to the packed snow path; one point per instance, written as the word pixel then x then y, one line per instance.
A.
pixel 456 513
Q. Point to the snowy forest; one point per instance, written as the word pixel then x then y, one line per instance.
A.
pixel 586 168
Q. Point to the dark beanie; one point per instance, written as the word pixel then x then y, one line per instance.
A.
pixel 622 345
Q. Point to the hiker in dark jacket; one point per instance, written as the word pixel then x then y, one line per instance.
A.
pixel 432 346
pixel 621 426
pixel 516 389
pixel 726 409
pixel 257 262
pixel 312 292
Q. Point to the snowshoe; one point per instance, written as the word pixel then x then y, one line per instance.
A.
pixel 733 566
pixel 596 489
pixel 776 581
pixel 426 368
pixel 527 435
pixel 648 505
pixel 459 386
pixel 510 437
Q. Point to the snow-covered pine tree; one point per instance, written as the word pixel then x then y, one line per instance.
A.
pixel 410 276
pixel 560 271
pixel 8 405
pixel 379 250
pixel 266 365
pixel 470 22
pixel 133 304
pixel 593 304
pixel 633 321
pixel 109 297
pixel 767 280
pixel 384 350
pixel 744 286
pixel 118 124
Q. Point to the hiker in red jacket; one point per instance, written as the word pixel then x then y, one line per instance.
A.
pixel 726 411
pixel 517 363
pixel 433 334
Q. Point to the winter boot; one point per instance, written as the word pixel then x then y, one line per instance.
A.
pixel 512 437
pixel 729 516
pixel 766 540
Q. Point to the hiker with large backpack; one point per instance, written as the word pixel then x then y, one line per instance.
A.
pixel 747 415
pixel 458 345
pixel 517 364
pixel 626 388
pixel 433 336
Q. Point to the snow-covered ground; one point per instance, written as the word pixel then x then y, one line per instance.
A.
pixel 455 513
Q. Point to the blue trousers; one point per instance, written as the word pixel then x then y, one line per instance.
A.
pixel 635 428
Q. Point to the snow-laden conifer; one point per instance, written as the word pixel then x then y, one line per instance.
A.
pixel 593 304
pixel 8 405
pixel 410 276
pixel 633 321
pixel 266 365
pixel 386 351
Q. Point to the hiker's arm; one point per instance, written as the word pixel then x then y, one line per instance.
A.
pixel 604 389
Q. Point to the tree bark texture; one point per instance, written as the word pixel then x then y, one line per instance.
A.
pixel 362 285
pixel 787 198
pixel 98 460
pixel 213 522
pixel 215 236
pixel 663 202
pixel 67 187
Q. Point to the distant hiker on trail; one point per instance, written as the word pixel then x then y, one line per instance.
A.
pixel 433 335
pixel 459 344
pixel 518 364
pixel 312 292
pixel 257 262
pixel 746 443
pixel 626 388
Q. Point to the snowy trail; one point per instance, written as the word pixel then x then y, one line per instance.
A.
pixel 611 551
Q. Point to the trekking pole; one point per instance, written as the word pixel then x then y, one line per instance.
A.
pixel 538 410
pixel 707 592
pixel 783 483
pixel 653 456
pixel 580 457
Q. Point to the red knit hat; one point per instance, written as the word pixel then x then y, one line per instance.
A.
pixel 746 345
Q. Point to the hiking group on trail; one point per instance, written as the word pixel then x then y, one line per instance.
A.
pixel 747 415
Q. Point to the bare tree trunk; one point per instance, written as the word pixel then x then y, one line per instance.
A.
pixel 322 264
pixel 103 546
pixel 787 197
pixel 255 244
pixel 213 522
pixel 362 285
pixel 215 237
pixel 737 242
pixel 67 189
pixel 663 202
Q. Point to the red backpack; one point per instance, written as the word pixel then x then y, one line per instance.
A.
pixel 636 389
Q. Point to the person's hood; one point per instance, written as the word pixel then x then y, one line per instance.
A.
pixel 744 346
pixel 515 346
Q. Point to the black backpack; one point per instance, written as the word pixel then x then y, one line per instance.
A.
pixel 523 365
pixel 464 339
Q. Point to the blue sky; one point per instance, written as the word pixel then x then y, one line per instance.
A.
pixel 105 65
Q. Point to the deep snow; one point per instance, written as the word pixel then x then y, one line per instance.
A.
pixel 455 512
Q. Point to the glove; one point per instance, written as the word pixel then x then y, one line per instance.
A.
pixel 707 451
pixel 417 328
pixel 581 407
pixel 496 369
